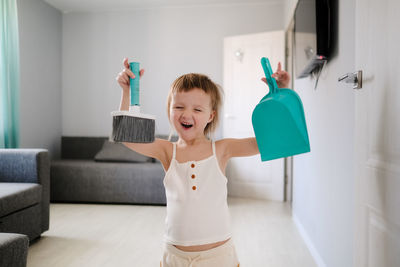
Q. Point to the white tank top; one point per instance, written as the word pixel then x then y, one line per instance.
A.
pixel 197 208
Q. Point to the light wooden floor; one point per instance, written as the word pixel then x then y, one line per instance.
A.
pixel 88 235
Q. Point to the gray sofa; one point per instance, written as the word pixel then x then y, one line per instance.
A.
pixel 93 170
pixel 24 191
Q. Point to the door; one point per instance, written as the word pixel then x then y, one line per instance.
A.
pixel 243 89
pixel 377 148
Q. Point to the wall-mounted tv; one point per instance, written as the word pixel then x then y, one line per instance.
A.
pixel 312 35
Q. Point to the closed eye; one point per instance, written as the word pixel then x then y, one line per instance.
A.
pixel 198 110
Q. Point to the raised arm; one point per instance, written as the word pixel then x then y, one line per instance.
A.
pixel 239 147
pixel 158 149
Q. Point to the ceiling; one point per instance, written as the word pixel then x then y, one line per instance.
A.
pixel 67 6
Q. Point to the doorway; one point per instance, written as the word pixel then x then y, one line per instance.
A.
pixel 243 89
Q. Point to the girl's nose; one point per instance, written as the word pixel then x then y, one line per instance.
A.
pixel 186 114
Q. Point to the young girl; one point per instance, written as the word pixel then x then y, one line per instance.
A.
pixel 198 231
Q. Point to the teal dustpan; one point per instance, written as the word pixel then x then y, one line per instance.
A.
pixel 278 121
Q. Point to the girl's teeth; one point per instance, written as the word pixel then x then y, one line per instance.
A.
pixel 186 125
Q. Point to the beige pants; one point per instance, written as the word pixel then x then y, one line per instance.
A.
pixel 222 256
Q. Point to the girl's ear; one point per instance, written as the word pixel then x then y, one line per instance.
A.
pixel 212 115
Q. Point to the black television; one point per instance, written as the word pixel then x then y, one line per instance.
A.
pixel 312 35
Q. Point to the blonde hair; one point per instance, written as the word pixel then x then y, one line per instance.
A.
pixel 188 82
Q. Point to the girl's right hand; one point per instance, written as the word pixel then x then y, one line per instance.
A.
pixel 125 74
pixel 282 77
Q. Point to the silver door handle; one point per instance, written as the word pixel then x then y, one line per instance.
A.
pixel 355 78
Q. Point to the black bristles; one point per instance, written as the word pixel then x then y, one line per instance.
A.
pixel 133 129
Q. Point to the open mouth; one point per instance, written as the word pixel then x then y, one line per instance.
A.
pixel 186 125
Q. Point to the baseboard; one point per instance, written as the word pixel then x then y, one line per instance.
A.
pixel 310 245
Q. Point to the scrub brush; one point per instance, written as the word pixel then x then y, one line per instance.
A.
pixel 132 126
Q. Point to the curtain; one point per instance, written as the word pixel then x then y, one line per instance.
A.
pixel 9 75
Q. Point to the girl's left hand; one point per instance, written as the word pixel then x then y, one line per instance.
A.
pixel 282 77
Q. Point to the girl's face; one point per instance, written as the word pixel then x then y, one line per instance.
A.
pixel 190 113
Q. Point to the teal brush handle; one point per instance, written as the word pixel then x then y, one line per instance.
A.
pixel 134 83
pixel 273 86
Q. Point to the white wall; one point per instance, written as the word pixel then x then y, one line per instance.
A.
pixel 167 41
pixel 323 179
pixel 40 81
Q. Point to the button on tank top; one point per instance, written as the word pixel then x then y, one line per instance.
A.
pixel 197 208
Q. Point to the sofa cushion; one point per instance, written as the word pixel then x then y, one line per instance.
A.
pixel 116 152
pixel 107 182
pixel 17 196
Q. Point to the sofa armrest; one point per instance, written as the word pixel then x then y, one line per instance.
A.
pixel 28 166
pixel 21 165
